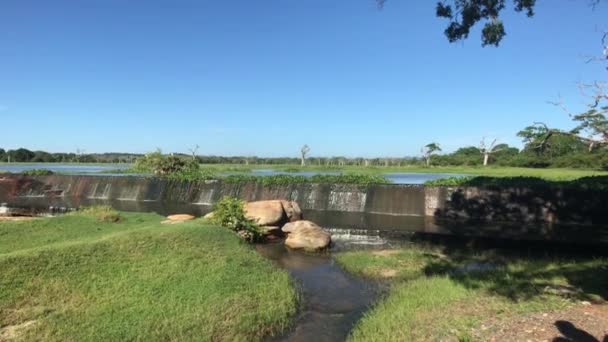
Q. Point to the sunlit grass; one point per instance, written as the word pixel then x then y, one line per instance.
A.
pixel 432 298
pixel 80 279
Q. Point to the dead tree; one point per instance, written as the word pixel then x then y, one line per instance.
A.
pixel 303 153
pixel 487 150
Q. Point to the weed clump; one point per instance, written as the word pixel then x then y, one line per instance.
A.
pixel 229 212
pixel 103 213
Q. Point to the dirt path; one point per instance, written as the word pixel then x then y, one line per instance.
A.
pixel 584 322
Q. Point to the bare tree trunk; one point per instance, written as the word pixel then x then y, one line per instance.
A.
pixel 428 161
pixel 303 160
pixel 486 157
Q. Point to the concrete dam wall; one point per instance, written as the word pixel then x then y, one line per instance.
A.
pixel 76 191
pixel 569 215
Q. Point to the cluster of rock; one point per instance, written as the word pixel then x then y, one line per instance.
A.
pixel 277 218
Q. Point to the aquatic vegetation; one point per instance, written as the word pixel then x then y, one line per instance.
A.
pixel 361 179
pixel 37 172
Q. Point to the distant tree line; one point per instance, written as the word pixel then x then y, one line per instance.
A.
pixel 538 152
pixel 23 155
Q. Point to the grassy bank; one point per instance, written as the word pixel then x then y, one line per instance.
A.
pixel 439 294
pixel 76 278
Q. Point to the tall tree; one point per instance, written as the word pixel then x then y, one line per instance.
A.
pixel 428 150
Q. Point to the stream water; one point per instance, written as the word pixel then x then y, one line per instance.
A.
pixel 332 300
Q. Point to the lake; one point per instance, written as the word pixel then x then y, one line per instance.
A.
pixel 87 169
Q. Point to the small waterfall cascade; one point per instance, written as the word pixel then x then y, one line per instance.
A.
pixel 205 197
pixel 349 236
pixel 3 209
pixel 129 193
pixel 100 192
pixel 347 201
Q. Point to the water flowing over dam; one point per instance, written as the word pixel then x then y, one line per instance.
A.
pixel 393 210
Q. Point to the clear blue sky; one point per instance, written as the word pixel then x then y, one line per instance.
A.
pixel 247 77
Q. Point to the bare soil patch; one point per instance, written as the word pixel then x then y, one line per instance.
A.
pixel 584 322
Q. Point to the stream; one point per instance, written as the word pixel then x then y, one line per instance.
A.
pixel 332 300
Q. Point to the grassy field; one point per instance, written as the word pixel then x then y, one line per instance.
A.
pixel 74 278
pixel 553 174
pixel 445 295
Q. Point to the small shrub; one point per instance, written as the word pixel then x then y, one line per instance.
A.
pixel 103 213
pixel 38 172
pixel 229 212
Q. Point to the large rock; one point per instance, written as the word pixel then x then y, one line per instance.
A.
pixel 266 213
pixel 180 217
pixel 177 218
pixel 292 210
pixel 306 235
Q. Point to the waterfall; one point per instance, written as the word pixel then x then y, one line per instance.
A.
pixel 105 192
pixel 348 236
pixel 129 193
pixel 347 201
pixel 205 197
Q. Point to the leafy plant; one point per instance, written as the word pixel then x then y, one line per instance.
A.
pixel 38 172
pixel 229 212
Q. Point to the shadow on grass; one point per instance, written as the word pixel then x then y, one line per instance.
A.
pixel 571 333
pixel 520 279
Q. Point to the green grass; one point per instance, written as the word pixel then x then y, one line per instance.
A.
pixel 81 279
pixel 431 298
pixel 549 173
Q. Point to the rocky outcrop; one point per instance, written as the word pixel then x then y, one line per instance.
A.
pixel 292 210
pixel 266 213
pixel 306 235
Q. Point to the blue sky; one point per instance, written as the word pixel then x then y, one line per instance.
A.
pixel 264 77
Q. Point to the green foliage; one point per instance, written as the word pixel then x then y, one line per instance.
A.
pixel 80 279
pixel 37 172
pixel 163 165
pixel 103 213
pixel 229 212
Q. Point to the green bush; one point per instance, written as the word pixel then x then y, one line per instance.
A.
pixel 103 213
pixel 229 212
pixel 38 172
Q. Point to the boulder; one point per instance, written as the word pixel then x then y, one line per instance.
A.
pixel 265 213
pixel 306 235
pixel 180 217
pixel 292 210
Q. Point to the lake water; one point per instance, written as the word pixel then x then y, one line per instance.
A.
pixel 84 169
pixel 73 169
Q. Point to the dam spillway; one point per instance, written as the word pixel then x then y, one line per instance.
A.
pixel 567 215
